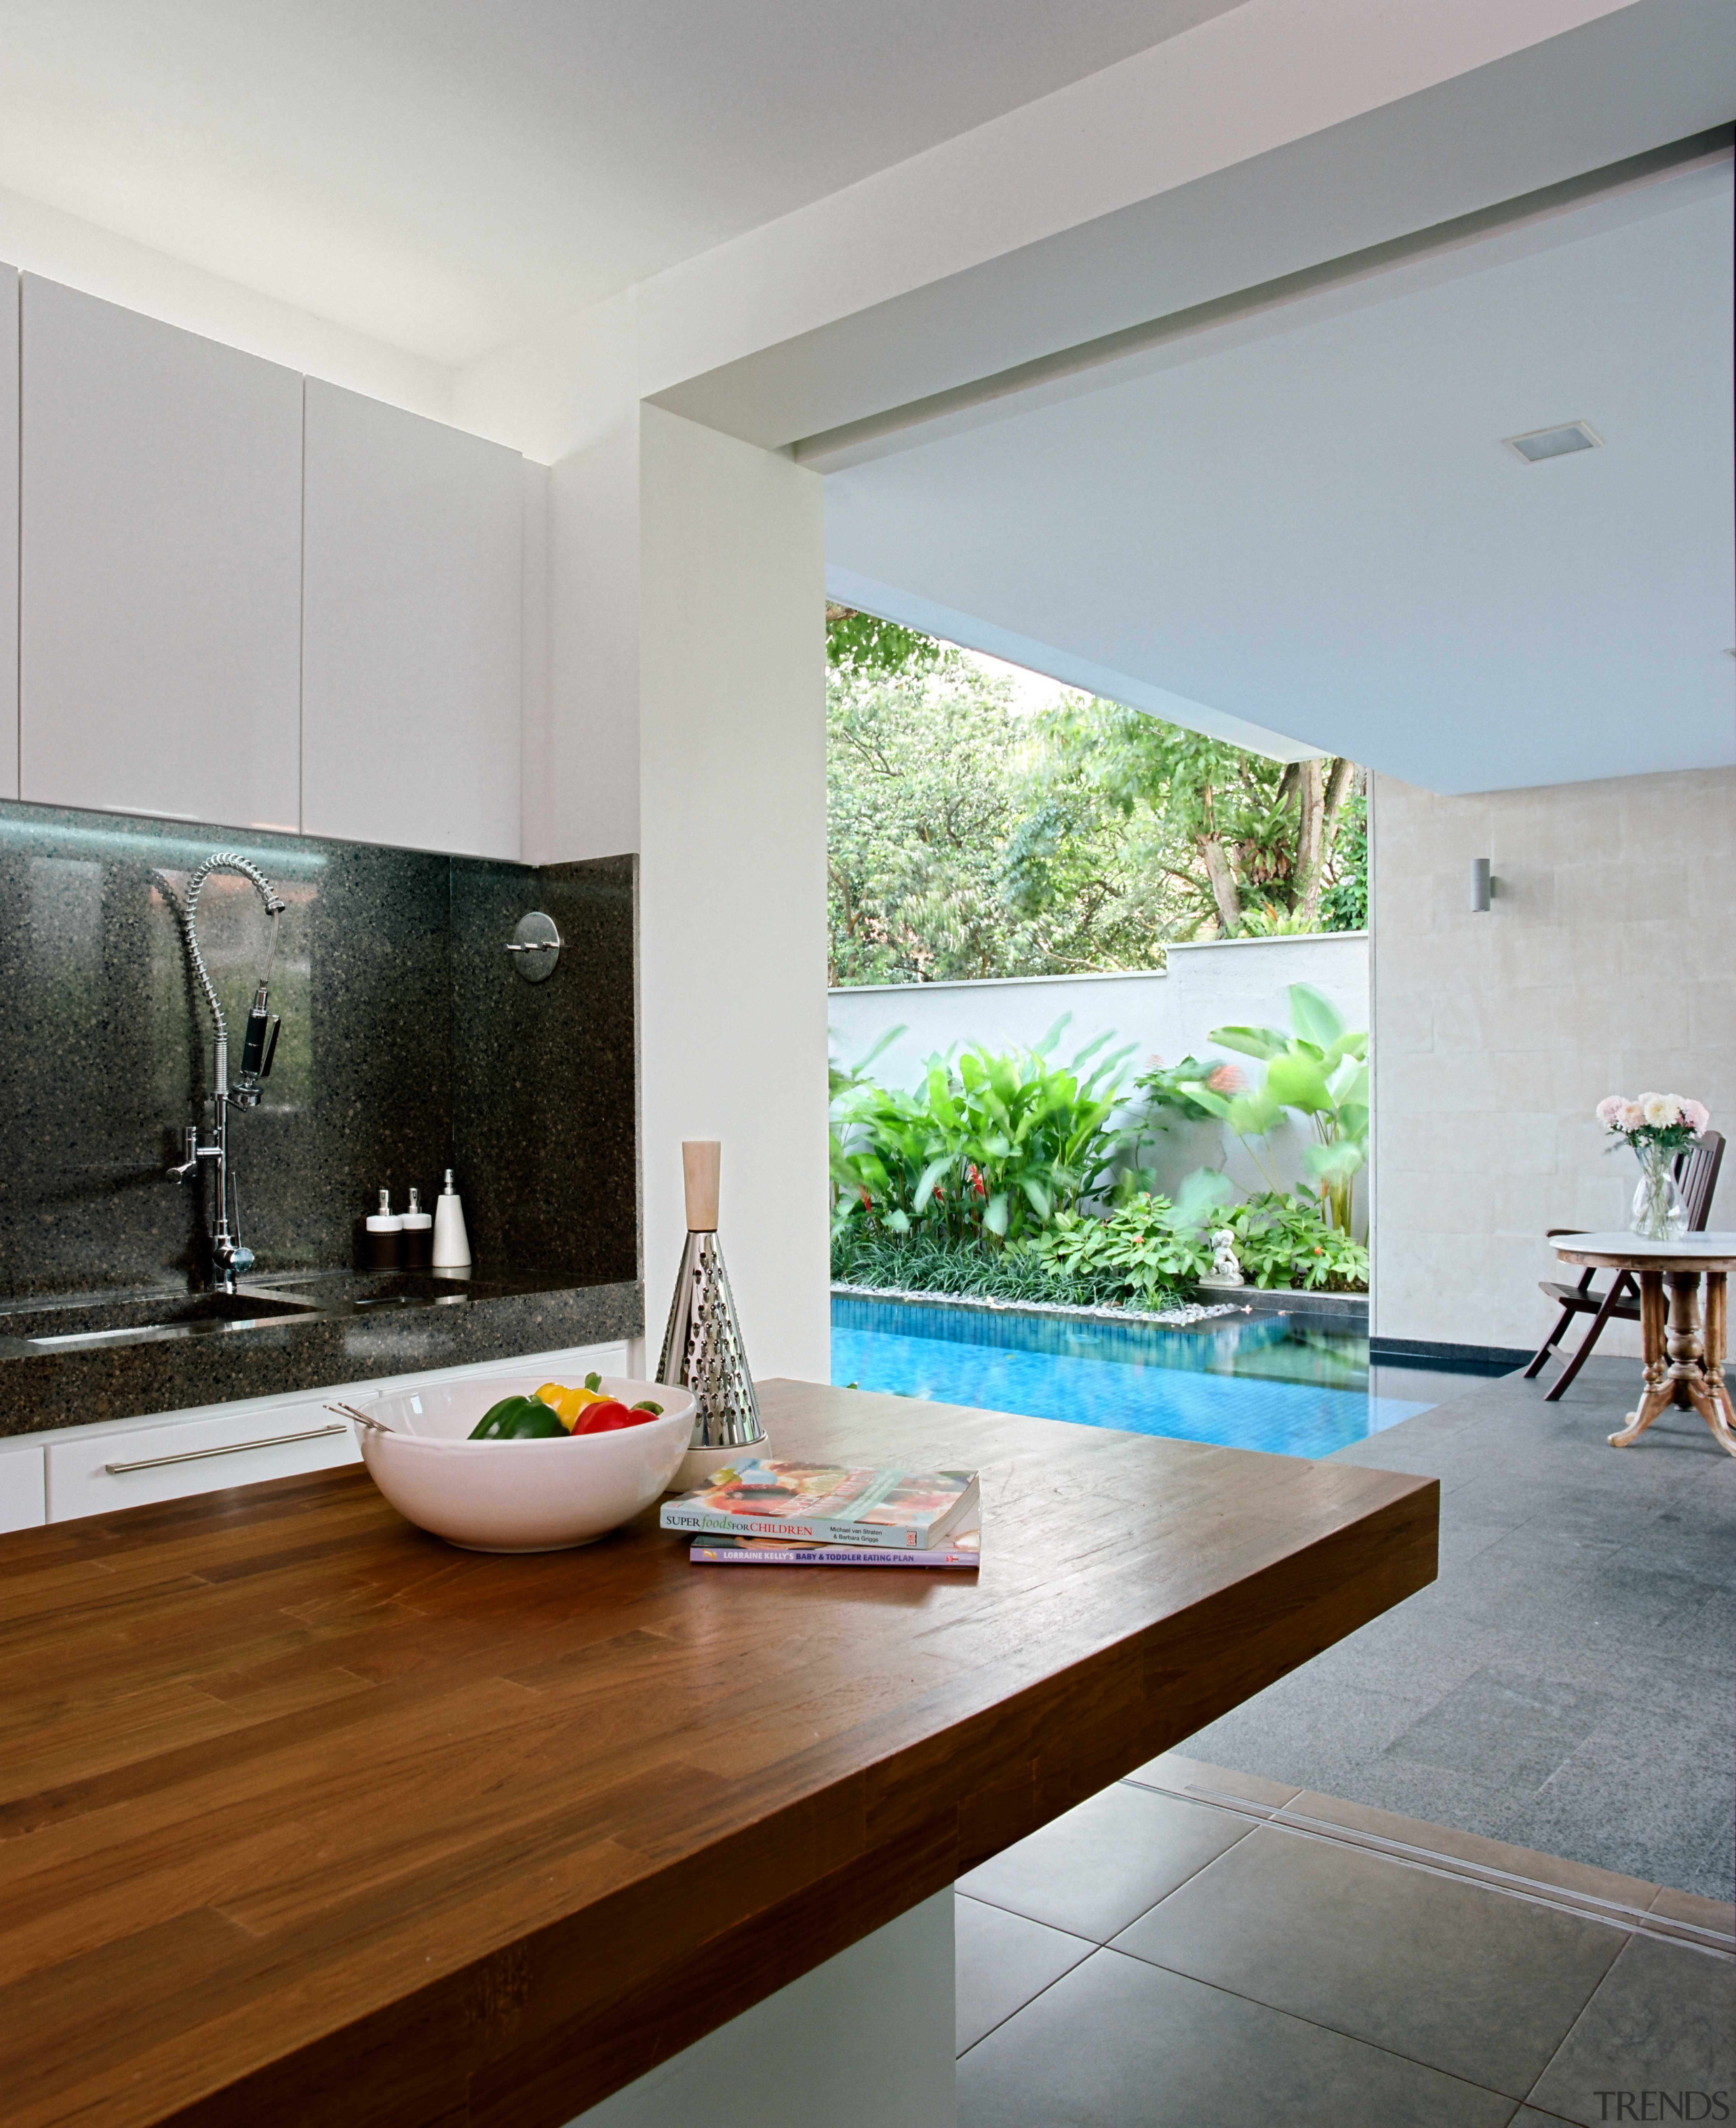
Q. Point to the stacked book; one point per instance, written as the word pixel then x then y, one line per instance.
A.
pixel 756 1513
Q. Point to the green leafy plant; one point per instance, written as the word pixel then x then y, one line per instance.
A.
pixel 921 1262
pixel 1153 1249
pixel 1320 1069
pixel 989 1147
pixel 1282 1241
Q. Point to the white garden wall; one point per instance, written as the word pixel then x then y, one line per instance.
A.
pixel 1168 1014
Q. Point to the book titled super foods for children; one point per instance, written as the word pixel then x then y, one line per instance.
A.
pixel 826 1504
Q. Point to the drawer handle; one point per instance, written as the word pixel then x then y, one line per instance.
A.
pixel 231 1448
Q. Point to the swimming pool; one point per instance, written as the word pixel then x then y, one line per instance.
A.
pixel 1297 1385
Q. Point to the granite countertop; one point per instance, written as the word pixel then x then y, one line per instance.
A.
pixel 75 1358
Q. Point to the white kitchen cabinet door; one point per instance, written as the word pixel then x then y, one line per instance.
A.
pixel 160 569
pixel 8 532
pixel 159 666
pixel 93 1472
pixel 22 1493
pixel 411 630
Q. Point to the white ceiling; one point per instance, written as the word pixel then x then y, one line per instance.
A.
pixel 446 175
pixel 1312 524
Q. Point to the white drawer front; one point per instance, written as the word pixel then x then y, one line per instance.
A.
pixel 22 1495
pixel 94 1473
pixel 93 1470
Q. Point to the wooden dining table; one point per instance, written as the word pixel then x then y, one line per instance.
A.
pixel 1683 1351
pixel 305 1817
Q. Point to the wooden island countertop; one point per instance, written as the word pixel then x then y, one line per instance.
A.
pixel 305 1817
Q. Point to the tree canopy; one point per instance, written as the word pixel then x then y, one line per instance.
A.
pixel 968 838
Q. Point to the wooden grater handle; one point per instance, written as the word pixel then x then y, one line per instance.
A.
pixel 700 1159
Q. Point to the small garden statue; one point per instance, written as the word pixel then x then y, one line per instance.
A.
pixel 1226 1269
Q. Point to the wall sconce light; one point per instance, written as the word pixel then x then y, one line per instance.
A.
pixel 1483 886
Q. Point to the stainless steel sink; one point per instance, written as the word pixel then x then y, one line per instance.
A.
pixel 333 1291
pixel 88 1321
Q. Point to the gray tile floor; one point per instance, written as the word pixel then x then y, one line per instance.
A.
pixel 1566 1684
pixel 1149 1960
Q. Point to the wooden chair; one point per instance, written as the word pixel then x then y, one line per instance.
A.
pixel 1696 1177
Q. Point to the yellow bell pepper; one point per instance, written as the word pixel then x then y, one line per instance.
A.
pixel 567 1404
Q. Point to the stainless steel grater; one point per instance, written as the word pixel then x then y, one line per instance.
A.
pixel 703 1350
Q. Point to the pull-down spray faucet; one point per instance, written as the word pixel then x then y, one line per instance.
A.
pixel 230 1259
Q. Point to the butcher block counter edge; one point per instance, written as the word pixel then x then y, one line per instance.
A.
pixel 506 1996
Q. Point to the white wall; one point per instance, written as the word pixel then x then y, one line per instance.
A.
pixel 732 883
pixel 1607 963
pixel 1235 982
pixel 1266 140
pixel 79 254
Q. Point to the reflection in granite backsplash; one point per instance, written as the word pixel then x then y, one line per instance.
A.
pixel 408 1044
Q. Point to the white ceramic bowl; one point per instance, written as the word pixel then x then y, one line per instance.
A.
pixel 519 1495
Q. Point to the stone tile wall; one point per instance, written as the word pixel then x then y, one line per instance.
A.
pixel 408 1044
pixel 1607 964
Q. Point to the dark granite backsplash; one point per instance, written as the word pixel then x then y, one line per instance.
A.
pixel 408 1044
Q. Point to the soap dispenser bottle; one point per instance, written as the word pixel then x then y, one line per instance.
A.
pixel 382 1247
pixel 450 1242
pixel 418 1234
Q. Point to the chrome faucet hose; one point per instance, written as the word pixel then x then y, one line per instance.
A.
pixel 225 860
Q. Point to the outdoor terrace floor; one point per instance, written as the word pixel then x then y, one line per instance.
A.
pixel 1213 1949
pixel 1194 1948
pixel 1567 1683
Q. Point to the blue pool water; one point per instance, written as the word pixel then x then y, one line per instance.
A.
pixel 1289 1383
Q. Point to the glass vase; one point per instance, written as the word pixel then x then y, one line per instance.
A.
pixel 1659 1214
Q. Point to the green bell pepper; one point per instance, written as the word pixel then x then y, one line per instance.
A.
pixel 518 1419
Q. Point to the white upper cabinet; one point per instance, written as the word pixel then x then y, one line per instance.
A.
pixel 160 583
pixel 8 534
pixel 412 621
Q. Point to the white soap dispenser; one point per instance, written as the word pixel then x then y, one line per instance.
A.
pixel 450 1242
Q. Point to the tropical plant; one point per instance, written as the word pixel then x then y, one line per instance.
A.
pixel 922 1262
pixel 1321 1070
pixel 1280 1240
pixel 989 1146
pixel 1153 1249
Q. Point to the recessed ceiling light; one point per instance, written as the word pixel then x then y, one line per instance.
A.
pixel 1540 444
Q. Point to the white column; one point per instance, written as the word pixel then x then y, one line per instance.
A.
pixel 731 760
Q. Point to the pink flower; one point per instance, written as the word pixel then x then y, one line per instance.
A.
pixel 1227 1079
pixel 1632 1117
pixel 1696 1115
pixel 1608 1111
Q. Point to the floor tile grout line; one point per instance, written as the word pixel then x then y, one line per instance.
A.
pixel 1072 1936
pixel 1092 1949
pixel 1338 2032
pixel 1125 1925
pixel 1585 2011
pixel 1360 2039
pixel 1355 1835
pixel 1403 1861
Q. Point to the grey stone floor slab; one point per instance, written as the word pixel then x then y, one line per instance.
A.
pixel 1597 1584
pixel 1675 1799
pixel 1663 2020
pixel 1003 1961
pixel 1482 1987
pixel 1504 1727
pixel 1099 1864
pixel 1121 2044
